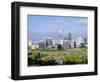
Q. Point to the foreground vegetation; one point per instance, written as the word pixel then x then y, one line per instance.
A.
pixel 44 57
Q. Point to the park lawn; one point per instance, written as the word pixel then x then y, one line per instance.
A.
pixel 72 58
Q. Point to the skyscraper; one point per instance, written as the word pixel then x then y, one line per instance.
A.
pixel 48 42
pixel 79 41
pixel 30 43
pixel 74 44
pixel 42 44
pixel 66 44
pixel 85 40
pixel 69 36
pixel 61 34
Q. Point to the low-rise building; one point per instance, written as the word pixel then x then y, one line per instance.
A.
pixel 66 44
pixel 79 41
pixel 42 44
pixel 34 47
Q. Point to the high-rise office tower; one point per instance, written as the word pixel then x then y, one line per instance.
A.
pixel 61 34
pixel 48 42
pixel 85 40
pixel 42 44
pixel 74 44
pixel 69 36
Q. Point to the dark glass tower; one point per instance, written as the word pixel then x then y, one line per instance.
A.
pixel 69 36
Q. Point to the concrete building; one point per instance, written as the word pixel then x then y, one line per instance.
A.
pixel 85 40
pixel 48 42
pixel 66 44
pixel 69 36
pixel 42 44
pixel 58 46
pixel 34 47
pixel 74 44
pixel 79 41
pixel 30 43
pixel 61 43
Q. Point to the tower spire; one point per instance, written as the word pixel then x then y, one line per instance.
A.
pixel 61 33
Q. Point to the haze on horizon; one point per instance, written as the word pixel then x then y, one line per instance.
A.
pixel 40 26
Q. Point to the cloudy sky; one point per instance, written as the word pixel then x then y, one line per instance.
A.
pixel 40 27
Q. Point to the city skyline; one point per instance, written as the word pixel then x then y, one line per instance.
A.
pixel 40 27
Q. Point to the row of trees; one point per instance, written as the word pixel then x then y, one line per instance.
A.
pixel 38 59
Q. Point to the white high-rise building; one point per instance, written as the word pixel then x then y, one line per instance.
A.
pixel 34 46
pixel 49 42
pixel 29 43
pixel 61 34
pixel 66 43
pixel 61 42
pixel 79 41
pixel 61 37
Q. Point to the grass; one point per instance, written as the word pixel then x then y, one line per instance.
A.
pixel 72 56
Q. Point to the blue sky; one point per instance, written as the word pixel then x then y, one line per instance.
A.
pixel 49 26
